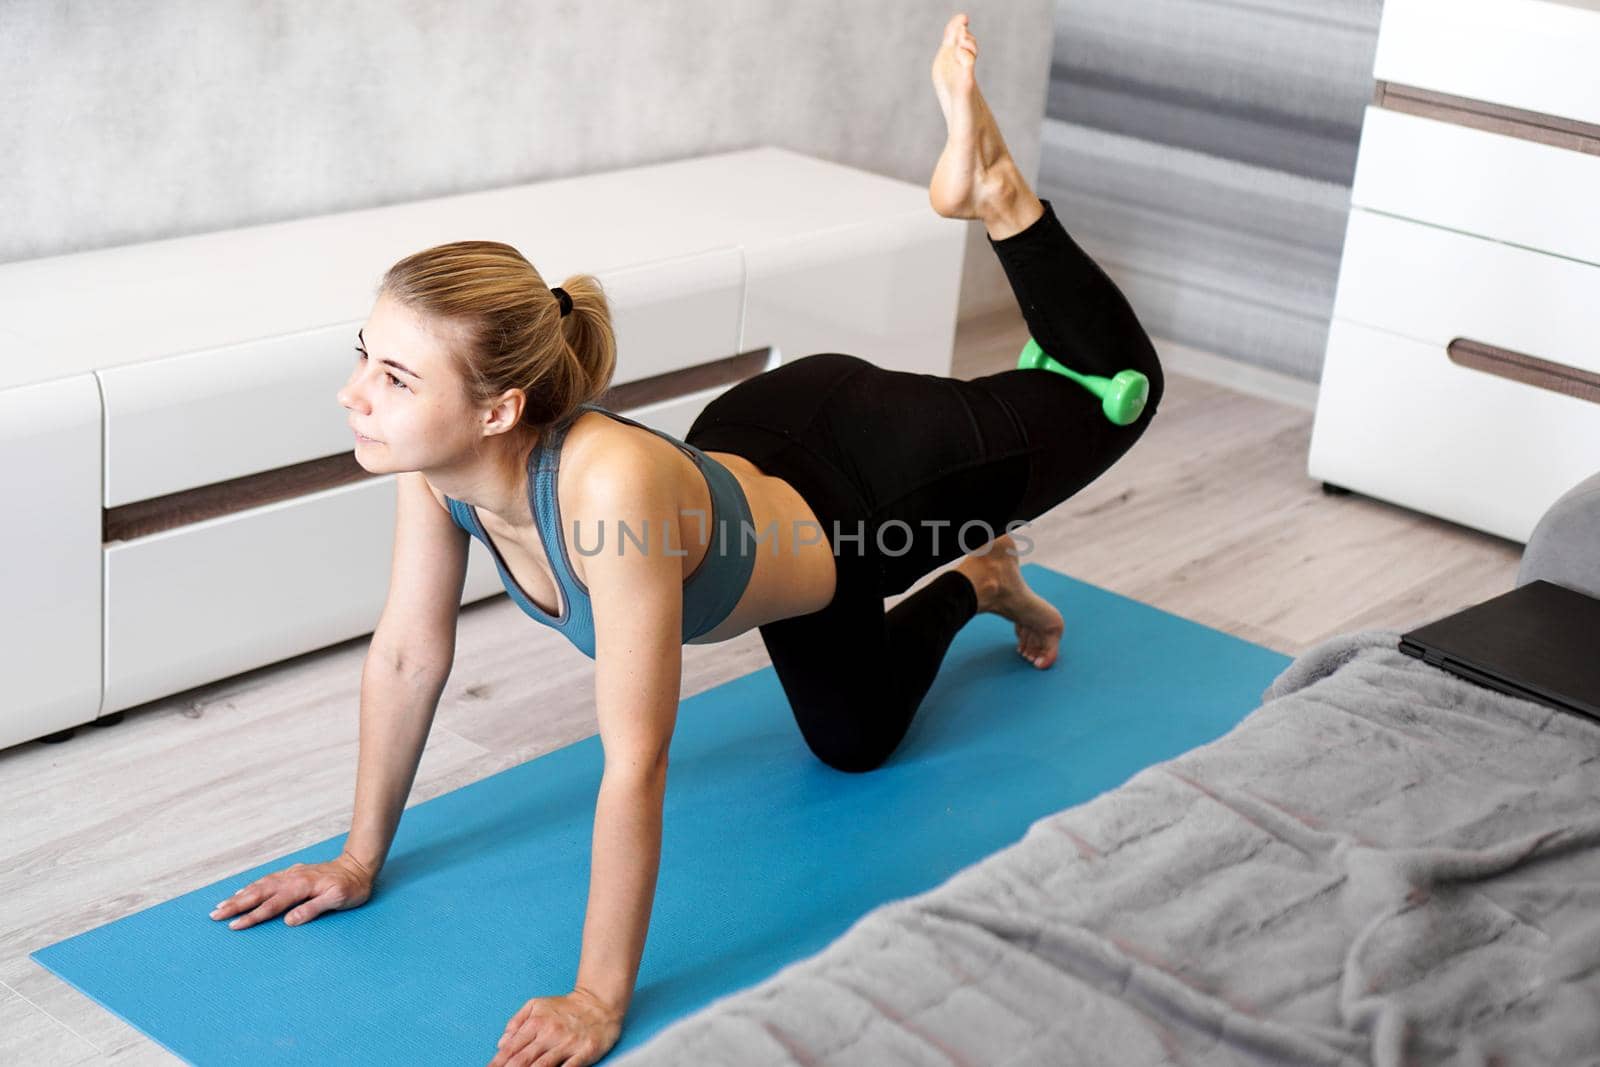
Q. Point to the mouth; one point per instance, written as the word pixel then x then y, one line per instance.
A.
pixel 363 439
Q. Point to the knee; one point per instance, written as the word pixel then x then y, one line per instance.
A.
pixel 1158 386
pixel 851 754
pixel 1151 404
pixel 852 762
pixel 1150 366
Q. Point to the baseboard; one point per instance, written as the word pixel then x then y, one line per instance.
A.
pixel 1232 374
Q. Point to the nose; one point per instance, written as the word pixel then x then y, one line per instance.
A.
pixel 350 394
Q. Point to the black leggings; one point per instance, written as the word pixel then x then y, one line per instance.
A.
pixel 907 472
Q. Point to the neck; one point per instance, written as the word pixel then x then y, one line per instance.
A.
pixel 495 482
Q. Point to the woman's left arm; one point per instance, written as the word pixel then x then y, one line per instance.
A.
pixel 637 597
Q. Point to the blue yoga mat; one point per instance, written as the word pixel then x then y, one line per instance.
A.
pixel 767 853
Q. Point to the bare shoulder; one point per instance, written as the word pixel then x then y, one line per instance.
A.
pixel 619 463
pixel 616 474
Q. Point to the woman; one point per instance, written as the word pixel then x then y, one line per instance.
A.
pixel 473 382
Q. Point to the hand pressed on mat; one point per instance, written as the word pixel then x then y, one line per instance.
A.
pixel 337 885
pixel 573 1030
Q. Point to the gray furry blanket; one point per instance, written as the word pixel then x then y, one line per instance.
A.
pixel 1382 864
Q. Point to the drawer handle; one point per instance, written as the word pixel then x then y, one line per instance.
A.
pixel 1520 367
pixel 1535 126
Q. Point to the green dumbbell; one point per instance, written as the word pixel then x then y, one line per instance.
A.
pixel 1121 398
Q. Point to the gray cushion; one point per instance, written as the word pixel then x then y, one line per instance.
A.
pixel 1565 546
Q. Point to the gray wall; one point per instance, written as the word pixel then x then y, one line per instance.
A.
pixel 138 120
pixel 1202 151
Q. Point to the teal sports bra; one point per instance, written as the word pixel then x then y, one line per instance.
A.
pixel 709 593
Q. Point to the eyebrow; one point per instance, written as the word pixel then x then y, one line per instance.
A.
pixel 390 362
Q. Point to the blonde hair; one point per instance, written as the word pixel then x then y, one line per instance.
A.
pixel 516 336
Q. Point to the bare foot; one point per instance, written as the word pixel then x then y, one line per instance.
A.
pixel 997 577
pixel 975 177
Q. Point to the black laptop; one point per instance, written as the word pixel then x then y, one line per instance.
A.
pixel 1541 641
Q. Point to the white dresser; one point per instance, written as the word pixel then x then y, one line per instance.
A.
pixel 1462 375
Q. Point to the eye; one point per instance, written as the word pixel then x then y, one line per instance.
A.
pixel 390 376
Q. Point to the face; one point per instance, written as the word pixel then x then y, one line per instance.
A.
pixel 404 393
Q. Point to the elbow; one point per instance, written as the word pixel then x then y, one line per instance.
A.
pixel 410 664
pixel 647 773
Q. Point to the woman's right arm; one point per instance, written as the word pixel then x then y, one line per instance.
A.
pixel 407 665
pixel 397 708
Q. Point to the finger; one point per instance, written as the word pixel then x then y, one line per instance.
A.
pixel 531 1030
pixel 551 1058
pixel 508 1040
pixel 513 1040
pixel 515 1053
pixel 530 1042
pixel 328 898
pixel 242 899
pixel 536 1054
pixel 520 1017
pixel 266 910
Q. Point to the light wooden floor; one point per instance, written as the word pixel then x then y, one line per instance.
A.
pixel 1210 516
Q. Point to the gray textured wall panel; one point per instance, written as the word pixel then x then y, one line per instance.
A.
pixel 145 119
pixel 1204 149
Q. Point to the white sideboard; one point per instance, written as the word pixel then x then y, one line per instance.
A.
pixel 183 500
pixel 1462 375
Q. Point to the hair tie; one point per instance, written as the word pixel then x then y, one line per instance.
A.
pixel 566 301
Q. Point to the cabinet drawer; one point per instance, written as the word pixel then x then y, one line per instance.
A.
pixel 186 421
pixel 205 601
pixel 1503 188
pixel 1537 55
pixel 885 290
pixel 675 313
pixel 1397 420
pixel 1434 285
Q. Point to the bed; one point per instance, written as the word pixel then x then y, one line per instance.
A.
pixel 1382 863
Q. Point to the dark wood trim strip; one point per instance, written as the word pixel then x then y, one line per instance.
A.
pixel 1492 118
pixel 636 394
pixel 1520 367
pixel 144 517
